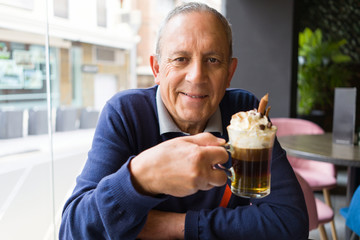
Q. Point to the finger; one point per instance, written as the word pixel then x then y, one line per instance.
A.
pixel 206 139
pixel 218 177
pixel 215 154
pixel 207 187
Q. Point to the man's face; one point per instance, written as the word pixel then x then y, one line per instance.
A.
pixel 194 69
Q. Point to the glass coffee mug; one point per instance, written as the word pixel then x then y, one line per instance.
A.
pixel 251 153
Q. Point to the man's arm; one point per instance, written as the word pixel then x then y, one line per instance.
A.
pixel 104 204
pixel 109 202
pixel 121 210
pixel 177 173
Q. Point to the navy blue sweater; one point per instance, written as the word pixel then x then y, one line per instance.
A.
pixel 105 205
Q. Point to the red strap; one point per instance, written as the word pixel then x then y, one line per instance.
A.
pixel 226 197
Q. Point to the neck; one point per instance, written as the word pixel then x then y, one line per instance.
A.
pixel 191 128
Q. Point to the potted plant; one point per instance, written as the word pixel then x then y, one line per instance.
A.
pixel 321 69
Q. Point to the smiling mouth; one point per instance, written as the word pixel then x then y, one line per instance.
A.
pixel 194 96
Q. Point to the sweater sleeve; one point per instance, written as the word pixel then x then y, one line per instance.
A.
pixel 104 204
pixel 280 215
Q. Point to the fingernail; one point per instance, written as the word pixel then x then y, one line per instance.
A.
pixel 221 141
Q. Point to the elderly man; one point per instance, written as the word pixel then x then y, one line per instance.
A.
pixel 150 173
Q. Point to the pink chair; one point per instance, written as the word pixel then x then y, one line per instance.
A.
pixel 319 213
pixel 319 175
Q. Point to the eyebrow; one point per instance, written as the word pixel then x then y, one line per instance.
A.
pixel 212 53
pixel 181 53
pixel 186 53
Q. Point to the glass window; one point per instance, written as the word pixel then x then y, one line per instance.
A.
pixel 54 81
pixel 25 4
pixel 23 74
pixel 26 179
pixel 101 13
pixel 61 8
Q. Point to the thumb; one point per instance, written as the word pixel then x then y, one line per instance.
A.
pixel 206 139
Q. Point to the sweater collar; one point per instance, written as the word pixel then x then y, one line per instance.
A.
pixel 167 124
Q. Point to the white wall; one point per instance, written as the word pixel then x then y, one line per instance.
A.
pixel 79 27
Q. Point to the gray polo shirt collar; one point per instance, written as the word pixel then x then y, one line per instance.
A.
pixel 167 124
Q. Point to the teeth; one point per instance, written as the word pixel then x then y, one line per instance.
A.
pixel 194 96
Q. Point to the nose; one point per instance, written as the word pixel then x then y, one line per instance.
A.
pixel 196 72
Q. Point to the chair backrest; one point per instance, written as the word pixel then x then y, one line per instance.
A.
pixel 88 118
pixel 295 126
pixel 310 202
pixel 11 123
pixel 66 119
pixel 38 121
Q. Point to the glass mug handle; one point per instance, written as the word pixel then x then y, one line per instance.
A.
pixel 229 171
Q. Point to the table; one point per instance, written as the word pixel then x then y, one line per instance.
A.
pixel 321 148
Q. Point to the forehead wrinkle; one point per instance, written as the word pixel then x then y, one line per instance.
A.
pixel 197 37
pixel 179 53
pixel 186 45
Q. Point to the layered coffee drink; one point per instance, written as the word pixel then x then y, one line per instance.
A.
pixel 251 136
pixel 252 171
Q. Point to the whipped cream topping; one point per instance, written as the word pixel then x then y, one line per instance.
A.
pixel 250 121
pixel 251 129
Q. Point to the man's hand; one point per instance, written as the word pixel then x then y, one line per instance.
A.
pixel 163 225
pixel 181 166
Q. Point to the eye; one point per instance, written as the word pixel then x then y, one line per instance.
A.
pixel 180 59
pixel 213 60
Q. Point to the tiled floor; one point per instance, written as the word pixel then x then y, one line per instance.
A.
pixel 338 200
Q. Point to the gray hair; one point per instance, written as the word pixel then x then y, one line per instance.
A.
pixel 194 7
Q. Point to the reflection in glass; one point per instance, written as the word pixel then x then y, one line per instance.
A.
pixel 95 51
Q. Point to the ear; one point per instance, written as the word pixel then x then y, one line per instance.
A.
pixel 154 64
pixel 232 68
